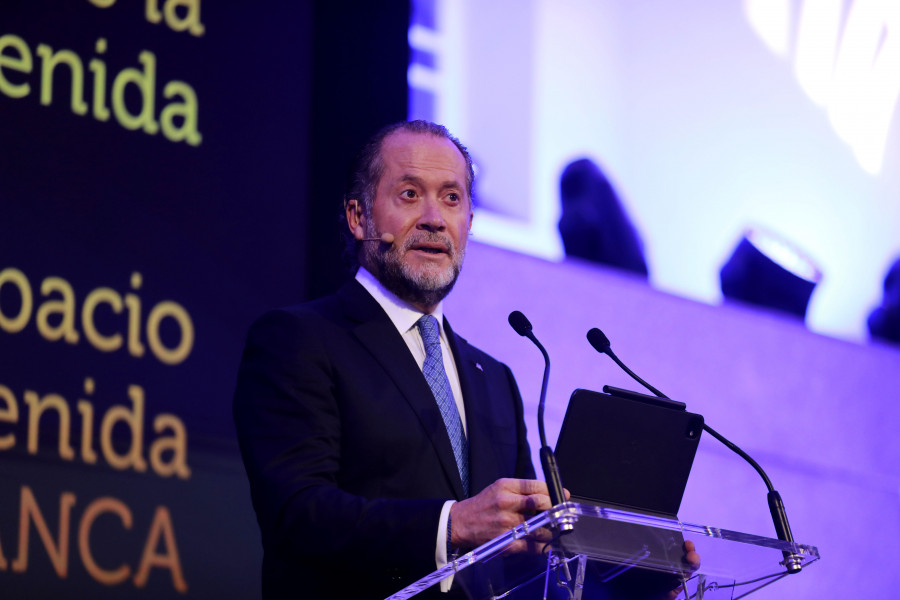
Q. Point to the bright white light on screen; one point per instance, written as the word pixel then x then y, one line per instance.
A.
pixel 818 37
pixel 771 19
pixel 867 79
pixel 848 63
pixel 419 76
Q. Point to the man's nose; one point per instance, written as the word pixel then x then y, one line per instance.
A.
pixel 431 218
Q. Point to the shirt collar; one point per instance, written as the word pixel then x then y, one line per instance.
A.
pixel 401 313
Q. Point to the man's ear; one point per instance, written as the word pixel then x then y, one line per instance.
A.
pixel 356 219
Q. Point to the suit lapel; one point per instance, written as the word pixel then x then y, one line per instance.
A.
pixel 476 398
pixel 375 331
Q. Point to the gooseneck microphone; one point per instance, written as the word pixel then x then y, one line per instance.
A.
pixel 386 238
pixel 792 562
pixel 522 326
pixel 601 344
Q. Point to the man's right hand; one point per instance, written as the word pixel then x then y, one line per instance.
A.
pixel 501 506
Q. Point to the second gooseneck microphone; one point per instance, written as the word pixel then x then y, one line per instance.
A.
pixel 601 344
pixel 792 562
pixel 522 326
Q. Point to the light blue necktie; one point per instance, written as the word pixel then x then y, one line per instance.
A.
pixel 436 376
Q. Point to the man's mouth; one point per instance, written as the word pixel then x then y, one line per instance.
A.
pixel 431 248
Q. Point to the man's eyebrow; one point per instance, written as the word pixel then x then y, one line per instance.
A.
pixel 411 179
pixel 416 180
pixel 451 184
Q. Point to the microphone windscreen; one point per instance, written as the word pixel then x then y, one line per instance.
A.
pixel 520 323
pixel 387 238
pixel 598 340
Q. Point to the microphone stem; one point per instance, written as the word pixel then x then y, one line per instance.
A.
pixel 548 459
pixel 542 435
pixel 706 427
pixel 634 375
pixel 742 454
pixel 792 561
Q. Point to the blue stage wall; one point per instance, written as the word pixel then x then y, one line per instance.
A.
pixel 818 414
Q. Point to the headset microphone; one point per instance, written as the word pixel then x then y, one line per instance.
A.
pixel 386 238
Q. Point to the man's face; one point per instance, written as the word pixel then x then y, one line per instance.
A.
pixel 422 201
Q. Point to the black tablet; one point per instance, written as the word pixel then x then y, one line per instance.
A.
pixel 627 451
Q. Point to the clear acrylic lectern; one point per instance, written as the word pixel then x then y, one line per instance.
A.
pixel 617 554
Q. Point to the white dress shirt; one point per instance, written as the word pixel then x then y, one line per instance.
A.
pixel 404 316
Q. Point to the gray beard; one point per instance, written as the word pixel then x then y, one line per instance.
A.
pixel 414 286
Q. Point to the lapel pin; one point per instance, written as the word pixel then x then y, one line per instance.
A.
pixel 479 367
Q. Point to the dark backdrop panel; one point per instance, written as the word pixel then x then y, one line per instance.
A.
pixel 360 80
pixel 208 231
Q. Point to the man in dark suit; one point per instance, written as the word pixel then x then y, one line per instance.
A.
pixel 377 441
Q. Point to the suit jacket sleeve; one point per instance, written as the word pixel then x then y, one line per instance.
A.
pixel 289 428
pixel 342 467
